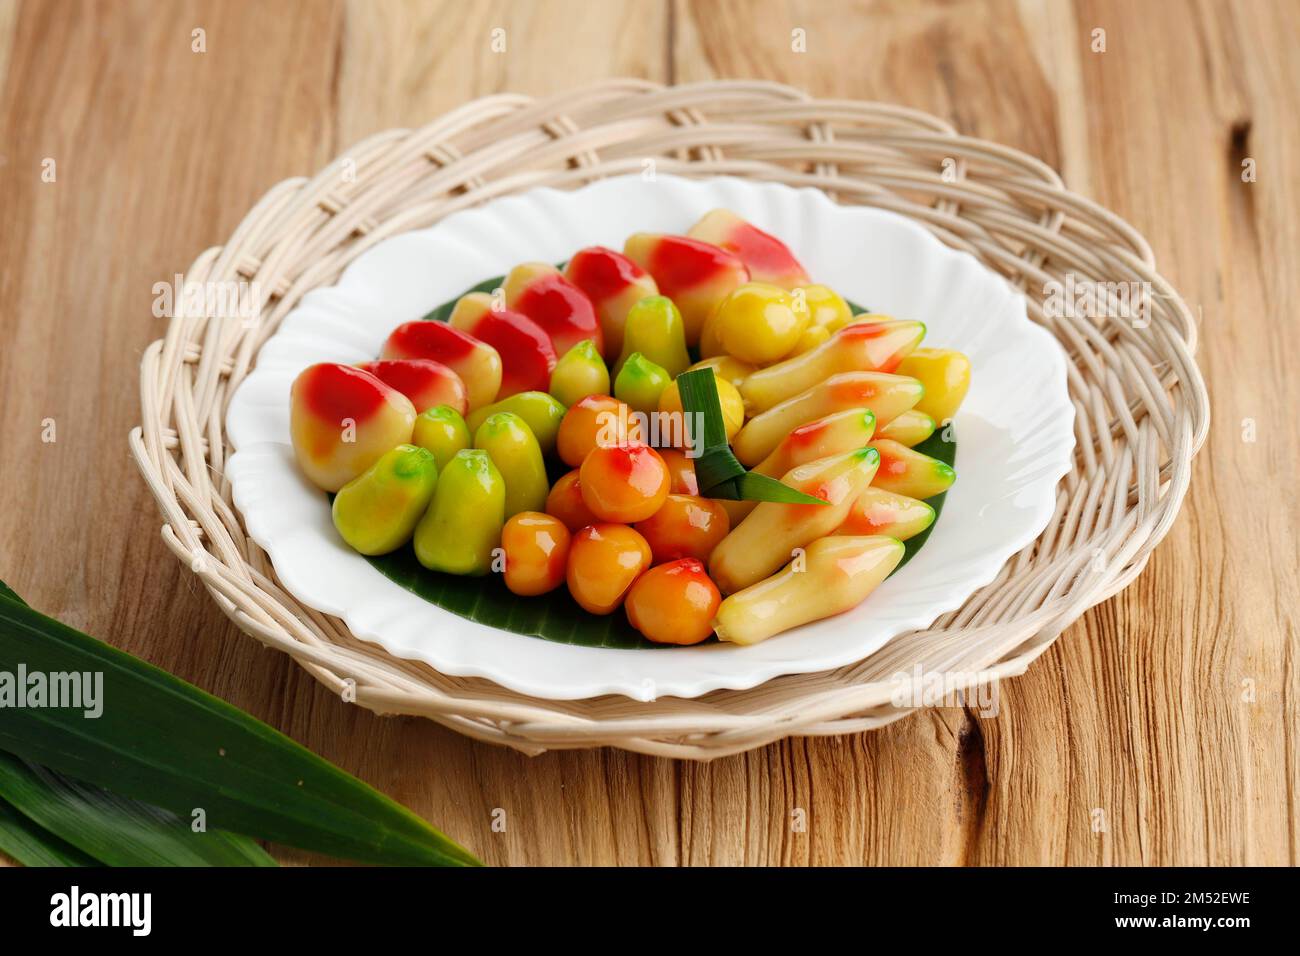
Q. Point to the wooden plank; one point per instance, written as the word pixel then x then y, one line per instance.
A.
pixel 1138 712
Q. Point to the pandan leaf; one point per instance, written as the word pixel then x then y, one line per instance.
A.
pixel 117 830
pixel 718 472
pixel 31 846
pixel 167 743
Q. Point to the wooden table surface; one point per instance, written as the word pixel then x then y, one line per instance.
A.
pixel 1168 713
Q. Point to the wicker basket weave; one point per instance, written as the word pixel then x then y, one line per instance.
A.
pixel 1141 406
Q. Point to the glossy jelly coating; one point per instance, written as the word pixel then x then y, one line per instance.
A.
pixel 670 405
pixel 527 355
pixel 820 438
pixel 462 528
pixel 625 483
pixel 882 512
pixel 442 431
pixel 510 443
pixel 835 574
pixel 341 419
pixel 565 502
pixel 832 434
pixel 758 323
pixel 597 419
pixel 613 283
pixel 910 428
pixel 377 511
pixel 727 367
pixel 539 291
pixel 604 560
pixel 810 338
pixel 537 553
pixel 477 364
pixel 640 382
pixel 424 381
pixel 541 411
pixel 768 537
pixel 681 472
pixel 685 527
pixel 767 258
pixel 654 328
pixel 674 603
pixel 946 377
pixel 865 347
pixel 695 275
pixel 886 395
pixel 579 372
pixel 905 471
pixel 826 308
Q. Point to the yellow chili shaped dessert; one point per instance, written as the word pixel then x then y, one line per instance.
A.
pixel 833 575
pixel 887 396
pixel 834 434
pixel 766 539
pixel 905 471
pixel 882 512
pixel 864 347
pixel 910 428
pixel 341 419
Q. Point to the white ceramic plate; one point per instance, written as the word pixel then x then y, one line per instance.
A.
pixel 1015 430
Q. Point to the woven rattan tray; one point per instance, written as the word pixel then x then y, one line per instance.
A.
pixel 1141 406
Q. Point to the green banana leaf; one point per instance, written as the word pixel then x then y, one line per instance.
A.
pixel 116 830
pixel 165 742
pixel 27 843
pixel 556 616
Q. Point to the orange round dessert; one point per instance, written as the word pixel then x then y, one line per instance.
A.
pixel 604 560
pixel 537 553
pixel 624 483
pixel 674 603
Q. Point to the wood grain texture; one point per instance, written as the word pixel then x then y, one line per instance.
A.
pixel 1161 729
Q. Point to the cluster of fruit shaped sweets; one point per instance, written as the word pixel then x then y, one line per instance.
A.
pixel 444 440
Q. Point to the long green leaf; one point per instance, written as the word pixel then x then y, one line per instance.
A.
pixel 117 830
pixel 31 846
pixel 168 743
pixel 717 470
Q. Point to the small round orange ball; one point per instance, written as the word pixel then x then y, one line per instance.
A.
pixel 624 483
pixel 674 603
pixel 536 547
pixel 604 560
